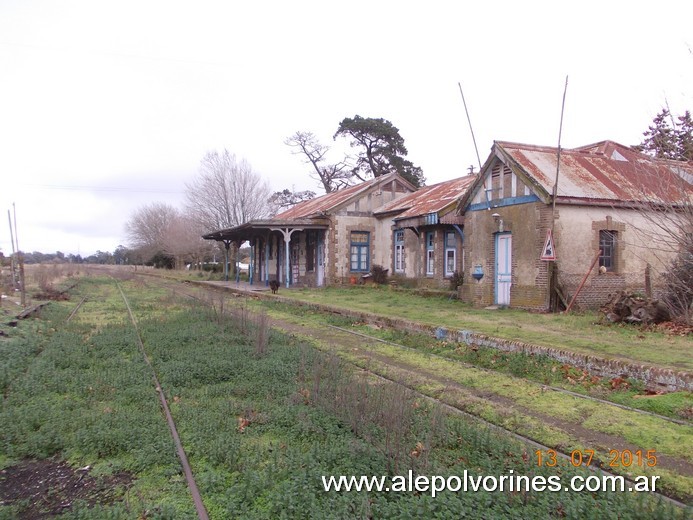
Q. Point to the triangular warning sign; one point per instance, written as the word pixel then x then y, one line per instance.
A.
pixel 549 252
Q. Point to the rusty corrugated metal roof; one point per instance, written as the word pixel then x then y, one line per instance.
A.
pixel 330 201
pixel 429 199
pixel 604 172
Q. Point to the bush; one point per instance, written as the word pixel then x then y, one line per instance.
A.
pixel 678 286
pixel 456 280
pixel 379 274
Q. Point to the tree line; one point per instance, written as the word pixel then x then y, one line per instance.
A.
pixel 227 192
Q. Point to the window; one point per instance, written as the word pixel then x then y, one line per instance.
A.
pixel 360 251
pixel 450 253
pixel 429 253
pixel 607 246
pixel 310 251
pixel 399 251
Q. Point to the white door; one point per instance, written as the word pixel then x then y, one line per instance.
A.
pixel 321 263
pixel 503 268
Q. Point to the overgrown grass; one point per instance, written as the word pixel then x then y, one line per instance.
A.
pixel 87 397
pixel 538 368
pixel 260 429
pixel 513 402
pixel 583 332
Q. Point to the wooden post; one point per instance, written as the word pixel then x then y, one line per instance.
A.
pixel 267 246
pixel 238 262
pixel 599 253
pixel 21 278
pixel 227 244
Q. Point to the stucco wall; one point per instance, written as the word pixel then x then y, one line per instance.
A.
pixel 638 244
pixel 576 239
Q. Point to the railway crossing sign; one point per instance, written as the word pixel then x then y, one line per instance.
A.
pixel 549 252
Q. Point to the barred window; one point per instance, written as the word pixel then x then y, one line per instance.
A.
pixel 607 246
pixel 399 251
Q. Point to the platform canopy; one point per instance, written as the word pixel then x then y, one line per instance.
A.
pixel 262 228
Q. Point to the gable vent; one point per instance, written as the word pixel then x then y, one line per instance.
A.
pixel 616 156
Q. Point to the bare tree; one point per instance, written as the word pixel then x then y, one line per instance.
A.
pixel 332 176
pixel 285 199
pixel 226 193
pixel 183 240
pixel 672 223
pixel 148 226
pixel 665 231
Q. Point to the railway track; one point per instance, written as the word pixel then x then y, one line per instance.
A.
pixel 178 289
pixel 544 387
pixel 180 451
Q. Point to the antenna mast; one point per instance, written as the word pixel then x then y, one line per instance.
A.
pixel 552 270
pixel 558 159
pixel 20 258
pixel 470 124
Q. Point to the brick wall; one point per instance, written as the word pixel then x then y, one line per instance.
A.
pixel 529 283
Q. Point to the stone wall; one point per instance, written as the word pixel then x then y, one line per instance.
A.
pixel 653 377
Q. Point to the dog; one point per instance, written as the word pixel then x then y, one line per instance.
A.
pixel 274 285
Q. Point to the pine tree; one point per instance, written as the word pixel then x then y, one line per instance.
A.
pixel 666 138
pixel 684 137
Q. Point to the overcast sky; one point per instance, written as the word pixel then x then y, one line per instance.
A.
pixel 106 106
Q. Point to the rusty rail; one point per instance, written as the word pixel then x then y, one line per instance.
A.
pixel 190 479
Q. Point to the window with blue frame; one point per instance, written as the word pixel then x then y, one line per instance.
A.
pixel 360 251
pixel 399 251
pixel 429 253
pixel 450 253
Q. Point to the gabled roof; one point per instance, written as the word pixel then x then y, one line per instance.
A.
pixel 332 201
pixel 600 173
pixel 310 214
pixel 429 199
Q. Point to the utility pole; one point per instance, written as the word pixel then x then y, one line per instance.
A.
pixel 13 265
pixel 21 259
pixel 552 269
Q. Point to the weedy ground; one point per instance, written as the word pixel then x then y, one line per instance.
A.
pixel 261 415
